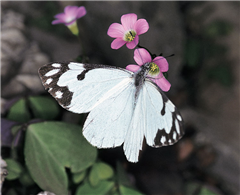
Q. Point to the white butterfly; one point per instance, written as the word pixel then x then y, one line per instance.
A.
pixel 124 106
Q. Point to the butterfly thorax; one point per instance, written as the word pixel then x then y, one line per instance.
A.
pixel 142 73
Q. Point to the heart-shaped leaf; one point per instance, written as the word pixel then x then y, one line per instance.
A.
pixel 19 112
pixel 78 177
pixel 101 189
pixel 14 169
pixel 104 170
pixel 44 107
pixel 93 176
pixel 52 146
pixel 126 191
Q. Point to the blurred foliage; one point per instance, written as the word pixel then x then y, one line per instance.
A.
pixel 205 57
pixel 218 28
pixel 54 156
pixel 15 169
pixel 50 9
pixel 19 112
pixel 194 188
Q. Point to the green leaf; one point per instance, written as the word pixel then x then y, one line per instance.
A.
pixel 15 129
pixel 19 112
pixel 193 52
pixel 205 190
pixel 192 188
pixel 218 28
pixel 52 146
pixel 12 192
pixel 122 175
pixel 126 191
pixel 222 74
pixel 78 177
pixel 44 107
pixel 104 170
pixel 101 189
pixel 14 169
pixel 197 188
pixel 26 179
pixel 93 176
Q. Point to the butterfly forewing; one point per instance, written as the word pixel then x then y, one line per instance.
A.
pixel 79 87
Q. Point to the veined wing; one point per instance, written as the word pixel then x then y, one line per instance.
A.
pixel 79 87
pixel 155 118
pixel 107 124
pixel 163 121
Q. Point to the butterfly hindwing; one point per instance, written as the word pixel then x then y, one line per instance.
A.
pixel 164 122
pixel 155 118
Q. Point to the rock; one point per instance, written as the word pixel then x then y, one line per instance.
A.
pixel 3 103
pixel 21 58
pixel 33 60
pixel 13 45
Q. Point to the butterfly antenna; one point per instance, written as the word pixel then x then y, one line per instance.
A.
pixel 169 55
pixel 161 55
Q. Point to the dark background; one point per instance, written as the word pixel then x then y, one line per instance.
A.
pixel 204 73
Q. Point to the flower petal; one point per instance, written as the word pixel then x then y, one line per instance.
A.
pixel 133 44
pixel 115 30
pixel 128 21
pixel 162 63
pixel 141 56
pixel 132 67
pixel 141 26
pixel 163 83
pixel 60 18
pixel 58 21
pixel 70 10
pixel 81 12
pixel 117 43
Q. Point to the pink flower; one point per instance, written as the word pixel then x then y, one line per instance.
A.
pixel 157 66
pixel 70 15
pixel 128 31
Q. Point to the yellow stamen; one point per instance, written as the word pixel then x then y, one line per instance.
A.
pixel 154 67
pixel 130 36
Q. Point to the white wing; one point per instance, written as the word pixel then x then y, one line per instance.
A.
pixel 163 121
pixel 107 124
pixel 117 115
pixel 155 118
pixel 80 87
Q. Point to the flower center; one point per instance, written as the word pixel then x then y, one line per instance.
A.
pixel 130 36
pixel 153 69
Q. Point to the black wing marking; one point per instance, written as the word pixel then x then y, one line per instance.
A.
pixel 52 72
pixel 169 123
pixel 50 82
pixel 162 137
